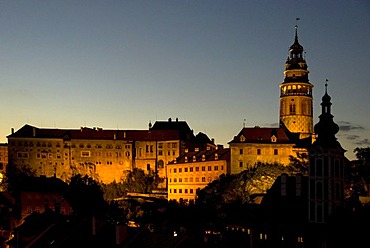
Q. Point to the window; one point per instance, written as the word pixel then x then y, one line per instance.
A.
pixel 191 191
pixel 174 170
pixel 275 151
pixel 209 168
pixel 160 153
pixel 174 145
pixel 22 155
pixel 197 179
pixel 191 169
pixel 180 180
pixel 258 151
pixel 203 179
pixel 241 151
pixel 175 180
pixel 240 164
pixel 196 168
pixel 148 167
pixel 174 191
pixel 180 170
pixel 180 191
pixel 191 179
pixel 186 191
pixel 216 168
pixel 203 168
pixel 292 108
pixel 186 169
pixel 160 145
pixel 85 153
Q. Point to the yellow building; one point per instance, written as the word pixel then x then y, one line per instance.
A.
pixel 296 107
pixel 104 155
pixel 261 145
pixel 3 159
pixel 194 170
pixel 295 132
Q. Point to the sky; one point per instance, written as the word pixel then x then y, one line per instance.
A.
pixel 215 64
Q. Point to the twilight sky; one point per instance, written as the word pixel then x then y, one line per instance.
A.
pixel 215 64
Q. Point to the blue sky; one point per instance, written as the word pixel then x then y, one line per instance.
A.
pixel 215 64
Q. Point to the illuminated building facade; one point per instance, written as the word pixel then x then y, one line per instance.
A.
pixel 3 159
pixel 326 170
pixel 194 170
pixel 101 154
pixel 296 108
pixel 294 135
pixel 261 145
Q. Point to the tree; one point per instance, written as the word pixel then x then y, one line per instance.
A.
pixel 300 163
pixel 15 177
pixel 86 196
pixel 360 172
pixel 138 181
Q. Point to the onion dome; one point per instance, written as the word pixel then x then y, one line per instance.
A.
pixel 326 128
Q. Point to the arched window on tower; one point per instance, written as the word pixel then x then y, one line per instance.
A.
pixel 292 109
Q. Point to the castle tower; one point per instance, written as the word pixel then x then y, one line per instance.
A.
pixel 326 170
pixel 296 109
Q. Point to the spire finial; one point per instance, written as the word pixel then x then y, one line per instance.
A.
pixel 296 27
pixel 326 86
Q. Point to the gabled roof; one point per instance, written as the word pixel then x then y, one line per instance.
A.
pixel 181 126
pixel 261 135
pixel 209 155
pixel 28 131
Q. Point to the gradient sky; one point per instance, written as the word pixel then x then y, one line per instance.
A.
pixel 215 64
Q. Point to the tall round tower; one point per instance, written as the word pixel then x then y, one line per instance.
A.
pixel 296 109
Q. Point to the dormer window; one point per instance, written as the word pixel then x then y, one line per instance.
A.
pixel 273 138
pixel 216 156
pixel 186 159
pixel 194 159
pixel 203 157
pixel 242 138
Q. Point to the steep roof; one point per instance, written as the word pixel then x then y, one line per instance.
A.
pixel 209 155
pixel 181 126
pixel 28 131
pixel 261 135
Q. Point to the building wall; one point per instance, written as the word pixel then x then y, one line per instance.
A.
pixel 40 201
pixel 103 160
pixel 3 159
pixel 185 178
pixel 244 156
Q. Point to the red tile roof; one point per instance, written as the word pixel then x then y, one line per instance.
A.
pixel 28 131
pixel 261 135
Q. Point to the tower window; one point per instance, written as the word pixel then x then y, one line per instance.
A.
pixel 292 108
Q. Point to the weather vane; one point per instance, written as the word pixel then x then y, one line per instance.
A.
pixel 296 23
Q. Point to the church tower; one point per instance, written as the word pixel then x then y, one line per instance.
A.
pixel 326 169
pixel 296 108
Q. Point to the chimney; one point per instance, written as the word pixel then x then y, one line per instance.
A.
pixel 169 119
pixel 12 130
pixel 33 131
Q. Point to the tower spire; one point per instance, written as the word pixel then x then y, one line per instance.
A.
pixel 296 29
